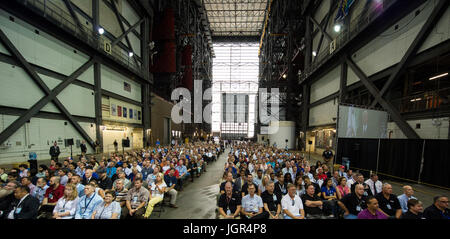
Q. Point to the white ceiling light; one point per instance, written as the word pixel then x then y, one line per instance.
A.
pixel 314 53
pixel 439 76
pixel 337 28
pixel 101 30
pixel 284 76
pixel 130 54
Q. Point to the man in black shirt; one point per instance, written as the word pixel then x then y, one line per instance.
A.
pixel 233 185
pixel 388 202
pixel 229 203
pixel 281 186
pixel 104 182
pixel 415 209
pixel 439 210
pixel 360 180
pixel 54 151
pixel 271 201
pixel 83 147
pixel 353 203
pixel 312 203
pixel 327 155
pixel 244 190
pixel 317 190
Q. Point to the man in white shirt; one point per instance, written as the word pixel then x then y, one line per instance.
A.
pixel 252 204
pixel 351 180
pixel 375 185
pixel 288 169
pixel 292 204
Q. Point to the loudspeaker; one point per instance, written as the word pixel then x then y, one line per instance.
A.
pixel 68 142
pixel 125 143
pixel 310 142
pixel 287 140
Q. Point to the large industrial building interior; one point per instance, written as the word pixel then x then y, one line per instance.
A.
pixel 213 109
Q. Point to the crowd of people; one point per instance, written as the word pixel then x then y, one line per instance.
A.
pixel 259 182
pixel 266 182
pixel 112 186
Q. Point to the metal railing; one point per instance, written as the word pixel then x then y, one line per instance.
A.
pixel 429 100
pixel 65 21
pixel 348 33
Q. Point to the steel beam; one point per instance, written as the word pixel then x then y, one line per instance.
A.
pixel 116 12
pixel 49 94
pixel 343 82
pixel 119 38
pixel 431 22
pixel 73 14
pixel 98 104
pixel 321 28
pixel 402 124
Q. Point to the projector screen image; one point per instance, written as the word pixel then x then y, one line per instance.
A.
pixel 357 122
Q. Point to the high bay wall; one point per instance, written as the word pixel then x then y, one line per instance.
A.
pixel 336 77
pixel 70 86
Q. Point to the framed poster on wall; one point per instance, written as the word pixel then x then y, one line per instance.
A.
pixel 119 111
pixel 113 110
pixel 124 112
pixel 131 113
pixel 139 115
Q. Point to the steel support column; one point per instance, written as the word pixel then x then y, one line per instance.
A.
pixel 98 104
pixel 343 82
pixel 431 22
pixel 402 124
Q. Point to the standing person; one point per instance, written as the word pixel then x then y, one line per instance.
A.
pixel 137 199
pixel 54 152
pixel 372 211
pixel 408 193
pixel 327 155
pixel 116 146
pixel 439 209
pixel 83 147
pixel 66 206
pixel 88 203
pixel 109 208
pixel 157 143
pixel 292 204
pixel 25 206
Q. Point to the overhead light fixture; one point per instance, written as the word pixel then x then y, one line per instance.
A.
pixel 101 30
pixel 337 27
pixel 417 99
pixel 130 54
pixel 284 76
pixel 314 53
pixel 439 76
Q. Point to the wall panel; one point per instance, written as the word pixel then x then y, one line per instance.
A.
pixel 323 114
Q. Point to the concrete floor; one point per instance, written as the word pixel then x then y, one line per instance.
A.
pixel 198 199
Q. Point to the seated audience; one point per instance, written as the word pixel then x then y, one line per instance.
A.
pixel 137 199
pixel 109 208
pixel 40 189
pixel 374 184
pixel 252 204
pixel 292 204
pixel 120 192
pixel 87 203
pixel 24 207
pixel 408 193
pixel 439 209
pixel 272 201
pixel 53 193
pixel 353 203
pixel 229 203
pixel 342 189
pixel 66 206
pixel 388 202
pixel 157 190
pixel 313 205
pixel 171 182
pixel 415 210
pixel 372 211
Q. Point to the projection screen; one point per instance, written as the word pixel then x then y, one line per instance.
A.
pixel 355 122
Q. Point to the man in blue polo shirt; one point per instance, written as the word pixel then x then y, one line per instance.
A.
pixel 87 203
pixel 171 182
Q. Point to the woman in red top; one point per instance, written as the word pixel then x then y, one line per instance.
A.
pixel 342 189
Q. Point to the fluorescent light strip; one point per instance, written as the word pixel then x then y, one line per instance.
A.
pixel 439 76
